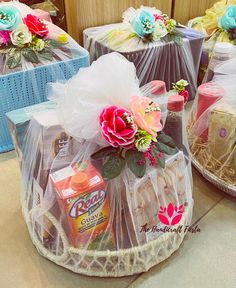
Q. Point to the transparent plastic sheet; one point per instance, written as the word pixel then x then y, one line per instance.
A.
pixel 221 64
pixel 65 139
pixel 26 84
pixel 161 60
pixel 211 131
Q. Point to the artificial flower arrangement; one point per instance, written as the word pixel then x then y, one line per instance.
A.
pixel 135 137
pixel 26 37
pixel 150 24
pixel 219 22
pixel 180 88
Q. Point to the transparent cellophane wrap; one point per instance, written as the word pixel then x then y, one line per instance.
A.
pixel 211 132
pixel 66 52
pixel 119 248
pixel 153 60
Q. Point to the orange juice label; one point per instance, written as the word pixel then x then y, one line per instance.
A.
pixel 87 211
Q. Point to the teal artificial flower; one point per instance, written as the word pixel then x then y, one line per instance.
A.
pixel 228 20
pixel 143 24
pixel 10 17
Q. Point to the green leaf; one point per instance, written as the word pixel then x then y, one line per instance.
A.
pixel 53 44
pixel 134 161
pixel 160 160
pixel 165 139
pixel 166 149
pixel 5 50
pixel 178 40
pixel 104 152
pixel 14 59
pixel 46 55
pixel 113 167
pixel 30 55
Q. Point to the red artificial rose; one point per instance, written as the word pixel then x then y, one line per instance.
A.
pixel 36 26
pixel 185 94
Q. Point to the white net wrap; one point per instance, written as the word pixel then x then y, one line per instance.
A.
pixel 162 60
pixel 112 238
pixel 212 131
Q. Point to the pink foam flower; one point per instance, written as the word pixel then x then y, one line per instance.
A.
pixel 185 94
pixel 147 115
pixel 158 17
pixel 117 126
pixel 4 37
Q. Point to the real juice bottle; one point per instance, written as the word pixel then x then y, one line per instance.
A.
pixel 83 199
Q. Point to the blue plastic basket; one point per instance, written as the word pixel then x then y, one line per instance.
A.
pixel 25 88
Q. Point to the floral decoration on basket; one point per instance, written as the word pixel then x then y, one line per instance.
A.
pixel 179 88
pixel 26 37
pixel 135 137
pixel 218 23
pixel 150 24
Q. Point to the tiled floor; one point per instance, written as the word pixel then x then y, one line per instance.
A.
pixel 204 260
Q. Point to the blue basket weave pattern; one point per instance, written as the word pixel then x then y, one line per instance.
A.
pixel 21 89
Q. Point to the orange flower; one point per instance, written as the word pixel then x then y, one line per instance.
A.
pixel 147 115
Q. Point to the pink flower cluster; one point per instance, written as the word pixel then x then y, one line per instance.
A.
pixel 119 126
pixel 4 37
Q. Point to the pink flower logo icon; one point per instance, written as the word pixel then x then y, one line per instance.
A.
pixel 170 215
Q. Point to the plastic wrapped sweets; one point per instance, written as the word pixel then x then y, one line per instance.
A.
pixel 107 183
pixel 212 132
pixel 159 49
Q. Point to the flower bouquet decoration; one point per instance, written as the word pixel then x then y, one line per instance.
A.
pixel 26 38
pixel 142 26
pixel 150 24
pixel 135 138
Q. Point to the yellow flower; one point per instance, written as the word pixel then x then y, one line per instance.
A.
pixel 62 38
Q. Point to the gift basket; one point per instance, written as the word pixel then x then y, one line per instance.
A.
pixel 212 133
pixel 158 47
pixel 218 25
pixel 107 185
pixel 33 52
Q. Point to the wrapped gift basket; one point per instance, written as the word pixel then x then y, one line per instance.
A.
pixel 218 25
pixel 212 137
pixel 158 47
pixel 33 52
pixel 107 185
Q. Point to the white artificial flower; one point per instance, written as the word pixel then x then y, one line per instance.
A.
pixel 40 45
pixel 182 82
pixel 159 30
pixel 21 35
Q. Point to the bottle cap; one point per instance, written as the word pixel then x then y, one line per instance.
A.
pixel 211 89
pixel 158 87
pixel 175 103
pixel 79 181
pixel 223 47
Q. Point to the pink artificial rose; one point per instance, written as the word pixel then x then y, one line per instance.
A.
pixel 147 115
pixel 4 37
pixel 185 94
pixel 117 126
pixel 158 17
pixel 36 26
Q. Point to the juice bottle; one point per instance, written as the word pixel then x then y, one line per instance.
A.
pixel 83 199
